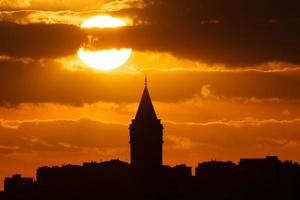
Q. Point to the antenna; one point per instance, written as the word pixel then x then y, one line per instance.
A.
pixel 146 80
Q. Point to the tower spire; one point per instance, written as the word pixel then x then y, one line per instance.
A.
pixel 146 110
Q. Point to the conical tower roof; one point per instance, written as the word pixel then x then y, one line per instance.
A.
pixel 146 110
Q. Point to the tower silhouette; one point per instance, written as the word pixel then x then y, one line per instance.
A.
pixel 146 136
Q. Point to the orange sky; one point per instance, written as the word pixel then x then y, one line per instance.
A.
pixel 225 88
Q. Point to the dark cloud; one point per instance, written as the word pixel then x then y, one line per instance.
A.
pixel 231 140
pixel 203 141
pixel 194 11
pixel 62 136
pixel 235 33
pixel 49 82
pixel 39 40
pixel 222 43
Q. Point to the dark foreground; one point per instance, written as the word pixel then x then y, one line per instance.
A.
pixel 251 179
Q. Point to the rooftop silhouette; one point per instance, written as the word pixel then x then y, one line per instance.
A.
pixel 147 178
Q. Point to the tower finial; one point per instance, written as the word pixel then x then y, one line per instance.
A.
pixel 146 80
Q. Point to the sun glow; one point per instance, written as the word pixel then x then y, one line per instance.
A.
pixel 103 21
pixel 104 59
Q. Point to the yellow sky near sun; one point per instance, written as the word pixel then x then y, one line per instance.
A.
pixel 105 5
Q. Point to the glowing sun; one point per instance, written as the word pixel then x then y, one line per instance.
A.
pixel 104 59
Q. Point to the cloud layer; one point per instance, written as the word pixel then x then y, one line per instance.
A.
pixel 240 33
pixel 80 135
pixel 47 81
pixel 39 40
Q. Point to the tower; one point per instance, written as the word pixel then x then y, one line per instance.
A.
pixel 146 135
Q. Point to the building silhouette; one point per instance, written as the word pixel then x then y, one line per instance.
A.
pixel 18 185
pixel 146 136
pixel 146 178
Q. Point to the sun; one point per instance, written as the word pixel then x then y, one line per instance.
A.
pixel 105 59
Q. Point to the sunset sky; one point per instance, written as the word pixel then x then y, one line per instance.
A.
pixel 224 77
